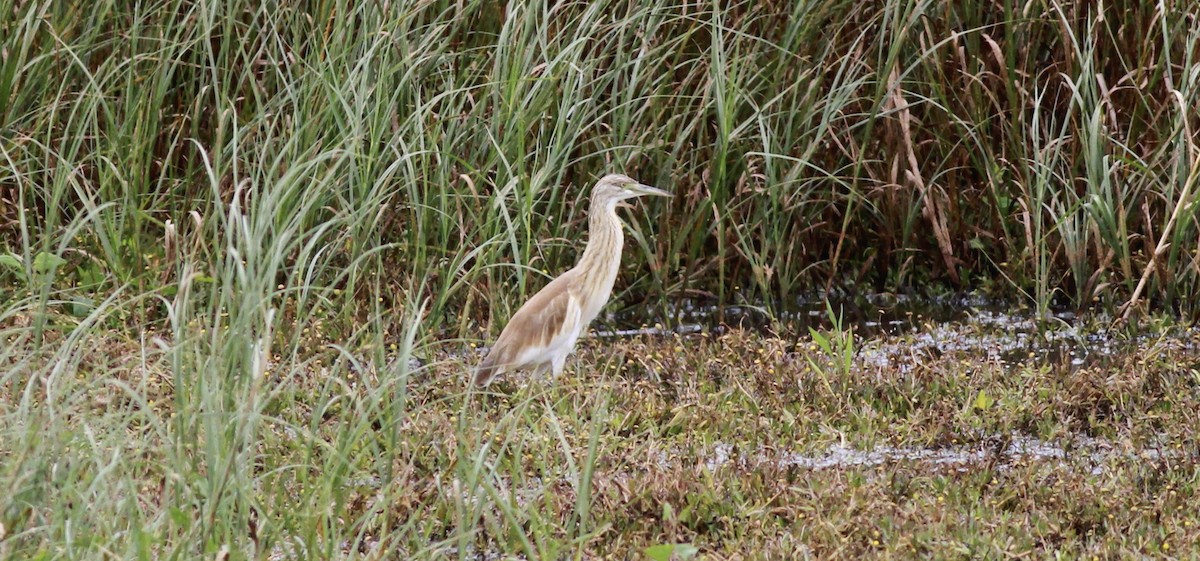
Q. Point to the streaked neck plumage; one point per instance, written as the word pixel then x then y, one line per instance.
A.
pixel 602 258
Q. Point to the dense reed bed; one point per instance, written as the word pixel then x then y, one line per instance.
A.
pixel 1041 149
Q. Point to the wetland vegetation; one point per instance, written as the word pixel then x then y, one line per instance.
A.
pixel 250 250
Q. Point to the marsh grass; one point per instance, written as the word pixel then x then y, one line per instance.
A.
pixel 243 247
pixel 649 441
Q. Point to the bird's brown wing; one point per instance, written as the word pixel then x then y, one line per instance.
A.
pixel 543 323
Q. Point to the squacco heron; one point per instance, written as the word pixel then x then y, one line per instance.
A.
pixel 543 331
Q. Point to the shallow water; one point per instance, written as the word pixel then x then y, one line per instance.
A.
pixel 869 314
pixel 1078 453
pixel 889 327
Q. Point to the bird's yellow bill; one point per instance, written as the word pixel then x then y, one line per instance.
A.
pixel 648 190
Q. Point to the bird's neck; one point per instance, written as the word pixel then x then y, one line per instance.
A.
pixel 602 258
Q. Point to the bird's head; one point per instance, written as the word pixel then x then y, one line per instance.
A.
pixel 615 187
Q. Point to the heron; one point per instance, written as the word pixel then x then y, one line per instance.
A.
pixel 543 332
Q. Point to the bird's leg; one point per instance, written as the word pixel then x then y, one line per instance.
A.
pixel 538 373
pixel 557 365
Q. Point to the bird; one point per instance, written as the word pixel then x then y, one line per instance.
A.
pixel 544 330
